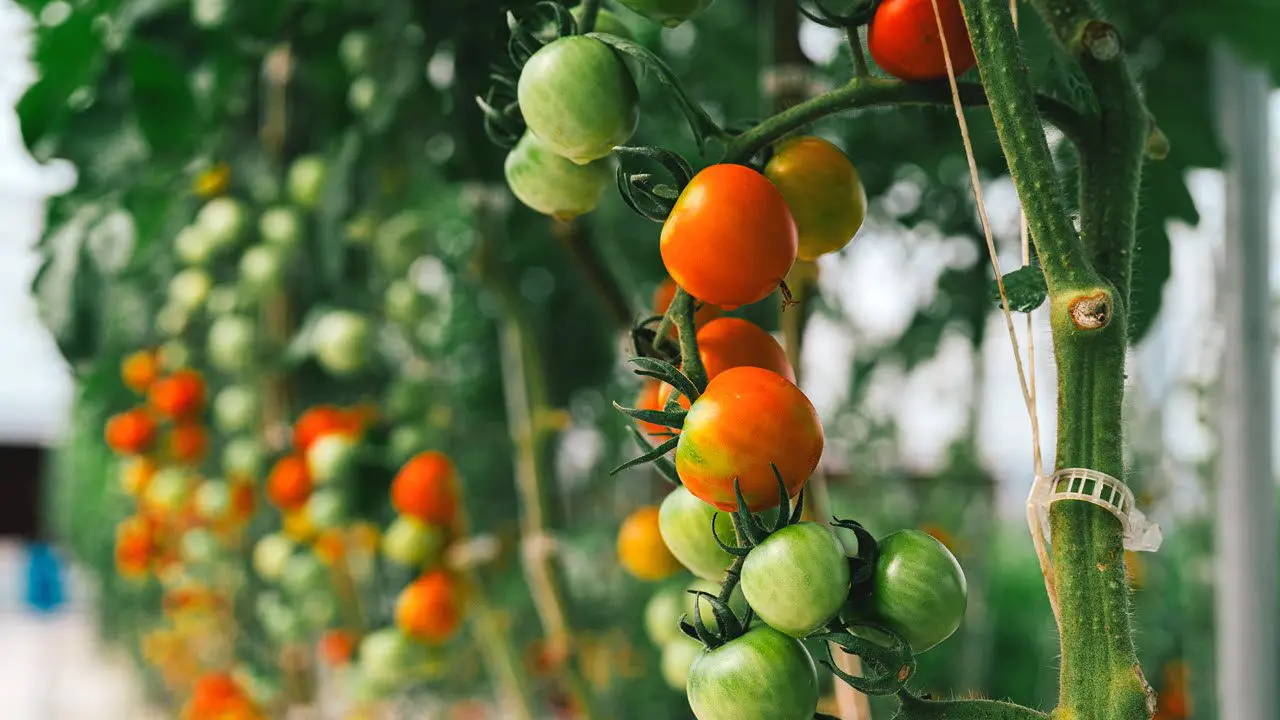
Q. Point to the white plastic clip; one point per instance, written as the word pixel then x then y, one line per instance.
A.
pixel 1098 488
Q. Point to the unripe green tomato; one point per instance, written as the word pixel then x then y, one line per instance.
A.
pixel 223 220
pixel 172 320
pixel 918 590
pixel 271 554
pixel 231 342
pixel 405 442
pixel 663 612
pixel 342 339
pixel 279 620
pixel 192 245
pixel 223 300
pixel 190 288
pixel 354 51
pixel 823 191
pixel 668 12
pixel 405 399
pixel 304 573
pixel 235 408
pixel 361 94
pixel 243 456
pixel 319 610
pixel 280 226
pixel 306 180
pixel 606 22
pixel 797 580
pixel 579 98
pixel 327 508
pixel 175 355
pixel 262 269
pixel 385 655
pixel 685 524
pixel 411 542
pixel 399 241
pixel 762 675
pixel 678 655
pixel 169 490
pixel 330 457
pixel 199 546
pixel 212 500
pixel 552 185
pixel 404 304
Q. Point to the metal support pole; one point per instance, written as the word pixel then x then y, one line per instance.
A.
pixel 1246 594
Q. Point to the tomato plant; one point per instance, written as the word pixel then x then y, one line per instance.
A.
pixel 730 238
pixel 747 420
pixel 763 675
pixel 823 191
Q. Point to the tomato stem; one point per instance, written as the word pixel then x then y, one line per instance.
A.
pixel 860 67
pixel 682 309
pixel 590 11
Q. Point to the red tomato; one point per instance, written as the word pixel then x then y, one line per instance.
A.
pixel 130 432
pixel 428 610
pixel 730 239
pixel 289 484
pixel 178 396
pixel 903 39
pixel 188 443
pixel 748 418
pixel 733 342
pixel 323 420
pixel 426 488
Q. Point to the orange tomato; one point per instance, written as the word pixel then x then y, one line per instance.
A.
pixel 289 484
pixel 337 646
pixel 244 500
pixel 426 488
pixel 178 396
pixel 730 238
pixel 130 432
pixel 666 292
pixel 140 369
pixel 188 443
pixel 217 696
pixel 903 39
pixel 748 418
pixel 733 342
pixel 823 191
pixel 428 609
pixel 136 475
pixel 641 549
pixel 330 546
pixel 322 420
pixel 135 546
pixel 652 397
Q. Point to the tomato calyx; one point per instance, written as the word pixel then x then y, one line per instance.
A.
pixel 728 627
pixel 862 566
pixel 886 668
pixel 643 192
pixel 751 530
pixel 671 416
pixel 858 15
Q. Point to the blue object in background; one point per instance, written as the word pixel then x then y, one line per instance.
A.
pixel 44 578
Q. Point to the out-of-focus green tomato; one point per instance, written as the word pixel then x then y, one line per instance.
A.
pixel 306 179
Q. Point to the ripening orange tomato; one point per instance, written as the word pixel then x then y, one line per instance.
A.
pixel 136 546
pixel 641 549
pixel 140 369
pixel 730 238
pixel 178 396
pixel 652 397
pixel 323 420
pixel 337 646
pixel 748 418
pixel 289 483
pixel 217 696
pixel 188 443
pixel 244 499
pixel 824 192
pixel 130 432
pixel 428 609
pixel 903 39
pixel 666 292
pixel 426 488
pixel 733 342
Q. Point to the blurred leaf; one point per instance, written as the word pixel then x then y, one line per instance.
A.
pixel 69 58
pixel 161 98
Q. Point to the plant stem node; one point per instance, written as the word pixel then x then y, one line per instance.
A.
pixel 1090 312
pixel 1101 40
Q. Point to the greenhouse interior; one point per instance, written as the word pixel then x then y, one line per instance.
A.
pixel 639 360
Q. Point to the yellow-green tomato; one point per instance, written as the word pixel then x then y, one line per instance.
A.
pixel 578 97
pixel 270 555
pixel 553 185
pixel 678 655
pixel 412 543
pixel 685 523
pixel 797 579
pixel 824 192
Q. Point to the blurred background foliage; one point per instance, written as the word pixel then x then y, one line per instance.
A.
pixel 146 97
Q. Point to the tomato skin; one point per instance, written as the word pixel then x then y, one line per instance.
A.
pixel 919 589
pixel 178 396
pixel 188 443
pixel 428 609
pixel 641 549
pixel 579 98
pixel 130 432
pixel 903 39
pixel 426 488
pixel 763 675
pixel 823 190
pixel 337 647
pixel 797 579
pixel 748 418
pixel 140 369
pixel 730 238
pixel 553 185
pixel 322 420
pixel 685 524
pixel 669 13
pixel 289 484
pixel 733 342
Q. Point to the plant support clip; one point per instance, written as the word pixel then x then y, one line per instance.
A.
pixel 1097 488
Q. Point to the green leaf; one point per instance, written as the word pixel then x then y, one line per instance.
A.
pixel 69 57
pixel 162 98
pixel 1025 288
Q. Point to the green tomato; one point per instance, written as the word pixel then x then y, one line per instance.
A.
pixel 235 409
pixel 385 655
pixel 244 457
pixel 763 675
pixel 318 610
pixel 199 546
pixel 306 179
pixel 230 343
pixel 280 226
pixel 330 457
pixel 279 620
pixel 212 500
pixel 919 589
pixel 327 508
pixel 678 656
pixel 262 269
pixel 412 543
pixel 685 524
pixel 193 245
pixel 662 614
pixel 271 554
pixel 303 574
pixel 169 489
pixel 354 49
pixel 361 94
pixel 189 289
pixel 553 185
pixel 224 299
pixel 342 340
pixel 399 241
pixel 797 579
pixel 668 12
pixel 404 304
pixel 405 442
pixel 579 98
pixel 223 220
